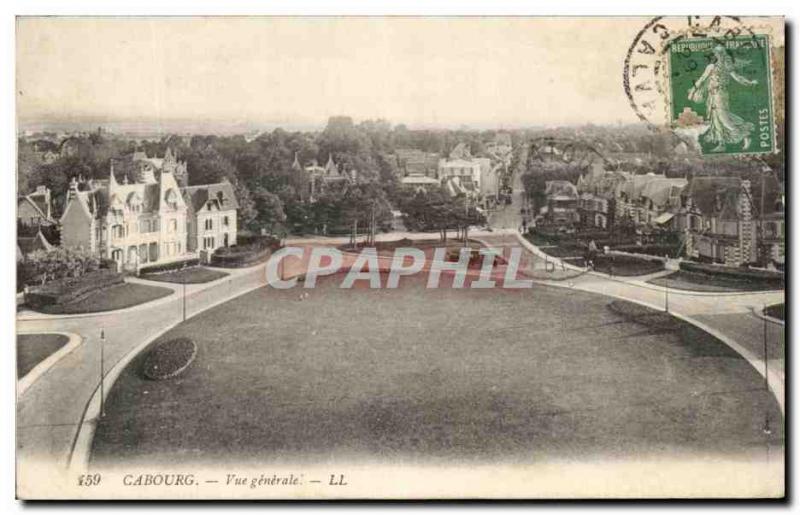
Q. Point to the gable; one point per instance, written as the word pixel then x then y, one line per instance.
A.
pixel 76 213
pixel 27 209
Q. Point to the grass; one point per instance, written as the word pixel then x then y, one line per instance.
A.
pixel 776 311
pixel 115 297
pixel 694 281
pixel 32 349
pixel 413 375
pixel 190 275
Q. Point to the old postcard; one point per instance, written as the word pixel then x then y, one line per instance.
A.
pixel 400 257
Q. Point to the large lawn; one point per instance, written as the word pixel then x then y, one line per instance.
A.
pixel 437 376
pixel 694 281
pixel 190 275
pixel 32 349
pixel 108 299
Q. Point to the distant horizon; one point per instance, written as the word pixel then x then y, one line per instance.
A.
pixel 188 126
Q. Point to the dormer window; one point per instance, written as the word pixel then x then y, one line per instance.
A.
pixel 115 203
pixel 135 202
pixel 171 198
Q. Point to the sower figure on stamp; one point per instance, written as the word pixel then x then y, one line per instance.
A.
pixel 725 127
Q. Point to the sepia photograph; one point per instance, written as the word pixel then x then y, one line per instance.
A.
pixel 400 257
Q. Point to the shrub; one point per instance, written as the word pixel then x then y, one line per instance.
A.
pixel 42 266
pixel 168 359
pixel 71 289
pixel 654 249
pixel 175 265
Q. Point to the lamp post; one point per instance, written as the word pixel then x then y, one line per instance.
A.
pixel 102 373
pixel 666 293
pixel 184 292
pixel 466 218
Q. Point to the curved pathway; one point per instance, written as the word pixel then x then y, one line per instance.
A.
pixel 50 411
pixel 728 316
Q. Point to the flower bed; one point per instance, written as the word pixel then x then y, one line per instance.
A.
pixel 767 277
pixel 168 359
pixel 238 256
pixel 71 289
pixel 625 266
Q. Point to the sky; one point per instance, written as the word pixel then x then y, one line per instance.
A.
pixel 296 72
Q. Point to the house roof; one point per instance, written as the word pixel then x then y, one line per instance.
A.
pixel 561 189
pixel 221 192
pixel 635 184
pixel 661 190
pixel 34 204
pixel 713 195
pixel 461 151
pixel 419 179
pixel 33 243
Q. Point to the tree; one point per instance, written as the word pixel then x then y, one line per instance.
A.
pixel 269 208
pixel 247 212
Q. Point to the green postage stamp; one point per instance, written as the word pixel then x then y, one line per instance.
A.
pixel 721 93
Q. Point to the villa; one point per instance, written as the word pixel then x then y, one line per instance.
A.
pixel 141 215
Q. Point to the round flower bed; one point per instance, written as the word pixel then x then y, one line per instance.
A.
pixel 168 359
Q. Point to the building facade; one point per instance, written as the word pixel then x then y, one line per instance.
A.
pixel 562 203
pixel 211 216
pixel 140 215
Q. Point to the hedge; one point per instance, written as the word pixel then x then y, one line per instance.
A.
pixel 653 249
pixel 166 267
pixel 239 256
pixel 768 276
pixel 71 289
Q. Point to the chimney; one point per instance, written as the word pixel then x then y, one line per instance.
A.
pixel 73 188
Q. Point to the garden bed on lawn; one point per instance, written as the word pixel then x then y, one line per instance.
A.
pixel 387 248
pixel 623 266
pixel 776 311
pixel 189 275
pixel 695 281
pixel 108 299
pixel 168 359
pixel 244 255
pixel 71 289
pixel 32 349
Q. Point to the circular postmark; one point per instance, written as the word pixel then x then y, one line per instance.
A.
pixel 707 78
pixel 645 68
pixel 563 151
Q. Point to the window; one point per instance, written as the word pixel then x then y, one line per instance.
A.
pixel 225 221
pixel 209 224
pixel 171 199
pixel 173 225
